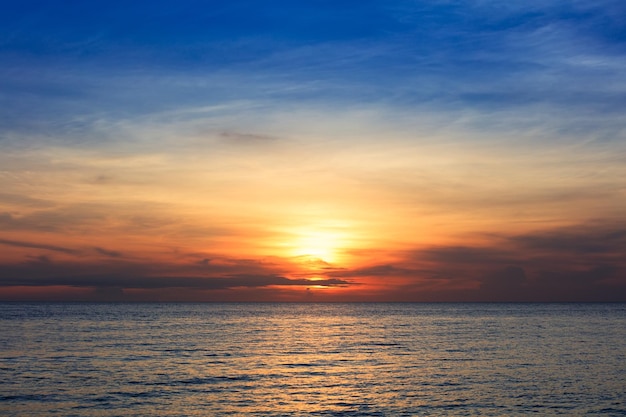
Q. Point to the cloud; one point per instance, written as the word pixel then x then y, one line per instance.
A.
pixel 505 284
pixel 103 179
pixel 556 284
pixel 576 241
pixel 515 62
pixel 108 294
pixel 246 138
pixel 50 220
pixel 41 259
pixel 579 278
pixel 585 243
pixel 386 270
pixel 575 263
pixel 54 248
pixel 21 200
pixel 132 275
pixel 548 265
pixel 466 255
pixel 128 215
pixel 106 252
pixel 159 282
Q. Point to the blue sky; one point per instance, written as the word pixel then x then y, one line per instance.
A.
pixel 500 64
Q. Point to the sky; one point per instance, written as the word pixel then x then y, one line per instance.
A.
pixel 313 150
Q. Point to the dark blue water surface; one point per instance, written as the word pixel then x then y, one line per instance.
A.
pixel 312 359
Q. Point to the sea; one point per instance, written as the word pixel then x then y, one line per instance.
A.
pixel 82 359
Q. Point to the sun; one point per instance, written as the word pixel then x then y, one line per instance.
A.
pixel 316 243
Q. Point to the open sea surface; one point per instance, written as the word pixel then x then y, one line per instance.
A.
pixel 312 359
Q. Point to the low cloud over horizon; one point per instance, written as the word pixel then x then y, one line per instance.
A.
pixel 581 263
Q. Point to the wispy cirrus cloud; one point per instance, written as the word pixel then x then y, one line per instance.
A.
pixel 32 245
pixel 472 61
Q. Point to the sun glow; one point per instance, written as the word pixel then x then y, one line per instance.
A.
pixel 319 244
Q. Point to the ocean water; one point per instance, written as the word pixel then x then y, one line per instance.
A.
pixel 312 359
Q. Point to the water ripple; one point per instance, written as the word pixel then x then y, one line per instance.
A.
pixel 324 360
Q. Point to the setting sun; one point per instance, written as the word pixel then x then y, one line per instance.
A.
pixel 320 243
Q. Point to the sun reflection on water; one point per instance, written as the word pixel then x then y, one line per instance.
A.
pixel 310 359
